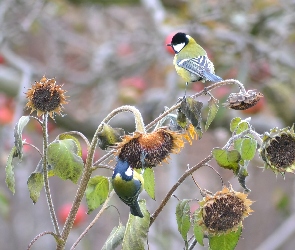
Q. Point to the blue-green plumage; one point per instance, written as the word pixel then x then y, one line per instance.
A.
pixel 128 184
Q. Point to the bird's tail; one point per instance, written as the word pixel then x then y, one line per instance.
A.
pixel 135 210
pixel 212 77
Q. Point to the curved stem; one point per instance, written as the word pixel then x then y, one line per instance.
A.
pixel 80 134
pixel 88 167
pixel 103 208
pixel 40 235
pixel 45 175
pixel 203 92
pixel 256 136
pixel 176 185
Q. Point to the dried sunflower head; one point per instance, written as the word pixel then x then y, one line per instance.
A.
pixel 241 101
pixel 148 150
pixel 223 212
pixel 278 150
pixel 46 97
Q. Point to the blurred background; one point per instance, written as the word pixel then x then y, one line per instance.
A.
pixel 111 53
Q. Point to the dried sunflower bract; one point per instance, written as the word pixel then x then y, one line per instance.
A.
pixel 148 150
pixel 278 150
pixel 241 101
pixel 46 96
pixel 224 211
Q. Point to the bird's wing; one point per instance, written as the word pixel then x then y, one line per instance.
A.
pixel 200 66
pixel 132 199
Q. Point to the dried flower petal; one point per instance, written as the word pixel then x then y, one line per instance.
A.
pixel 241 101
pixel 46 96
pixel 278 150
pixel 224 211
pixel 148 150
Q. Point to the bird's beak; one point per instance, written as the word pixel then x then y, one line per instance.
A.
pixel 169 44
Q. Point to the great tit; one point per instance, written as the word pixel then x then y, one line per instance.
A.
pixel 128 184
pixel 191 61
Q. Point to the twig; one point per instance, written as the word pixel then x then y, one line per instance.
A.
pixel 222 183
pixel 40 235
pixel 88 168
pixel 45 175
pixel 80 134
pixel 33 146
pixel 105 205
pixel 106 156
pixel 203 92
pixel 176 185
pixel 103 166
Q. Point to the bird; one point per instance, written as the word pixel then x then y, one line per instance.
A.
pixel 191 61
pixel 128 184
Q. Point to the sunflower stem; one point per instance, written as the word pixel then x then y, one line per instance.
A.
pixel 45 175
pixel 88 168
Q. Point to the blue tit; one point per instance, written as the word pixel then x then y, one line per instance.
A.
pixel 128 184
pixel 191 61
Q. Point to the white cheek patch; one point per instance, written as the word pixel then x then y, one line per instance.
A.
pixel 129 171
pixel 178 47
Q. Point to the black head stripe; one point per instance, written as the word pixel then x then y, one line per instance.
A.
pixel 179 38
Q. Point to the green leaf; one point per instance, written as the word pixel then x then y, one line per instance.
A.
pixel 248 148
pixel 18 129
pixel 109 136
pixel 243 126
pixel 192 110
pixel 115 238
pixel 137 229
pixel 63 159
pixel 9 169
pixel 183 218
pixel 213 109
pixel 198 233
pixel 67 136
pixel 181 119
pixel 96 192
pixel 234 123
pixel 149 182
pixel 227 159
pixel 225 241
pixel 35 184
pixel 238 144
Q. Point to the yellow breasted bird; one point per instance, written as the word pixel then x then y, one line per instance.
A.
pixel 128 184
pixel 191 61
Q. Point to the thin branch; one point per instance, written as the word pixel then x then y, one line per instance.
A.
pixel 256 136
pixel 203 92
pixel 80 134
pixel 39 236
pixel 88 168
pixel 33 146
pixel 106 156
pixel 208 165
pixel 176 185
pixel 45 175
pixel 102 166
pixel 104 207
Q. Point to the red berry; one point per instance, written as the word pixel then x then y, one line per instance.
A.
pixel 65 209
pixel 135 82
pixel 2 59
pixel 6 115
pixel 168 41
